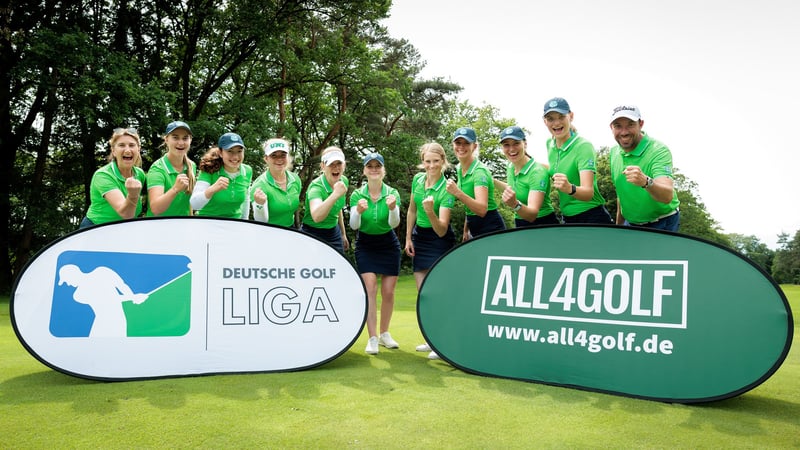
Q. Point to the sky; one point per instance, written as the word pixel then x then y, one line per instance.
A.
pixel 717 81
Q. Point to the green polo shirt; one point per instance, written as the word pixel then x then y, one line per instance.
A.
pixel 105 180
pixel 655 160
pixel 319 188
pixel 375 220
pixel 441 198
pixel 231 201
pixel 281 205
pixel 477 175
pixel 534 176
pixel 574 157
pixel 162 174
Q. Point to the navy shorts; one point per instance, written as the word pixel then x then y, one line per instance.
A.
pixel 428 246
pixel 86 223
pixel 332 236
pixel 598 214
pixel 378 253
pixel 550 219
pixel 492 221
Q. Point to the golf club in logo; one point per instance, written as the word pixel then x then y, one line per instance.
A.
pixel 108 294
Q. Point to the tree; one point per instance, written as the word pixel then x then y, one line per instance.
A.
pixel 786 265
pixel 318 72
pixel 695 219
pixel 754 249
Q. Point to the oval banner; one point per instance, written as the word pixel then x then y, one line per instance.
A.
pixel 636 312
pixel 164 297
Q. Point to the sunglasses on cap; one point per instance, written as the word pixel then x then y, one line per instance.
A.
pixel 126 130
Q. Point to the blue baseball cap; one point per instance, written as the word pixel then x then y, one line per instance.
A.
pixel 514 132
pixel 172 126
pixel 558 105
pixel 228 140
pixel 466 133
pixel 373 157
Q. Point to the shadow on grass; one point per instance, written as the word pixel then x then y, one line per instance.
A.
pixel 398 369
pixel 390 370
pixel 100 397
pixel 744 415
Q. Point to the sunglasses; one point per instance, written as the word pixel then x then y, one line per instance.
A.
pixel 133 131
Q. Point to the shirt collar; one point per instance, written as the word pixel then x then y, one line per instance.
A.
pixel 572 137
pixel 640 147
pixel 527 167
pixel 365 189
pixel 442 181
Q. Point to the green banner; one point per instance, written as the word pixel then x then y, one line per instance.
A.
pixel 627 311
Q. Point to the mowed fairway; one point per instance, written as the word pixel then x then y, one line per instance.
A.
pixel 397 399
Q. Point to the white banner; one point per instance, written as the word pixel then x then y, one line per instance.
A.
pixel 167 297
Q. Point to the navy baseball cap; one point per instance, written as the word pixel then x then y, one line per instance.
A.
pixel 228 140
pixel 466 133
pixel 373 157
pixel 172 126
pixel 558 105
pixel 514 132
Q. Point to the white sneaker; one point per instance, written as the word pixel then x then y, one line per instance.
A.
pixel 423 348
pixel 433 355
pixel 372 345
pixel 386 340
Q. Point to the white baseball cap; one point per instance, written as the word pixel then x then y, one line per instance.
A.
pixel 627 111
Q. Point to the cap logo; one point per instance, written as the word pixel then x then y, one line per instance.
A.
pixel 553 103
pixel 509 130
pixel 277 145
pixel 624 108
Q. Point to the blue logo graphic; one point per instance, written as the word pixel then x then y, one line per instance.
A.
pixel 106 294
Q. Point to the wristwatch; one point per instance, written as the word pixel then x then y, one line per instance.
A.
pixel 519 205
pixel 648 183
pixel 574 190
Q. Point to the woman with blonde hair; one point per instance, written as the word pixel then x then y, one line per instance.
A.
pixel 116 187
pixel 325 199
pixel 573 167
pixel 171 178
pixel 428 231
pixel 275 194
pixel 374 214
pixel 474 187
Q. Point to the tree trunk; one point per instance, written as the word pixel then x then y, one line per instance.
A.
pixel 35 201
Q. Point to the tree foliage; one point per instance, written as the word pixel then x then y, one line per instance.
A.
pixel 754 249
pixel 317 72
pixel 786 265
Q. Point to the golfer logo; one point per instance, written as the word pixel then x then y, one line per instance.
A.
pixel 104 294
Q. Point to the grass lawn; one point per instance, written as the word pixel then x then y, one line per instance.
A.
pixel 397 399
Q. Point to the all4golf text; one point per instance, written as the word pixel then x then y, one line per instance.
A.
pixel 639 293
pixel 594 343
